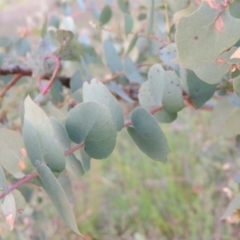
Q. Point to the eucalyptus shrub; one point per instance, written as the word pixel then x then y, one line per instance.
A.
pixel 164 56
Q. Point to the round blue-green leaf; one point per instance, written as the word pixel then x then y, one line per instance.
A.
pixel 92 124
pixel 162 88
pixel 57 195
pixel 39 137
pixel 147 135
pixel 97 92
pixel 105 15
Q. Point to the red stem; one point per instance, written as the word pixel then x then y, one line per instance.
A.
pixel 19 183
pixel 57 67
pixel 73 149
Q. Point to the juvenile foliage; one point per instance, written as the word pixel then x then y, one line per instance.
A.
pixel 168 56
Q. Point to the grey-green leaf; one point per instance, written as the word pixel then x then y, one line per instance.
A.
pixel 199 91
pixel 39 138
pixel 97 92
pixel 112 58
pixel 124 5
pixel 105 15
pixel 198 38
pixel 57 195
pixel 147 135
pixel 225 118
pixel 131 72
pixel 162 88
pixel 150 18
pixel 132 44
pixel 11 144
pixel 92 124
pixel 3 181
pixel 128 24
pixel 76 81
pixel 73 165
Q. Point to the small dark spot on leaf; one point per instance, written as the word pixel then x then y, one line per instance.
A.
pixel 196 37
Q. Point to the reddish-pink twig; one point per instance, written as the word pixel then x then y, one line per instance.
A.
pixel 57 67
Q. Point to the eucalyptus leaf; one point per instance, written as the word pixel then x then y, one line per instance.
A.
pixel 39 138
pixel 97 92
pixel 92 124
pixel 11 144
pixel 128 24
pixel 147 135
pixel 195 33
pixel 20 202
pixel 57 195
pixel 9 209
pixel 3 181
pixel 132 44
pixel 105 15
pixel 123 5
pixel 131 72
pixel 151 18
pixel 162 88
pixel 199 91
pixel 225 118
pixel 112 58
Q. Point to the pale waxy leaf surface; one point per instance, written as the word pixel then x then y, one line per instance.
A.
pixel 198 36
pixel 76 81
pixel 3 181
pixel 169 53
pixel 11 144
pixel 151 17
pixel 234 8
pixel 65 183
pixel 212 70
pixel 57 195
pixel 9 209
pixel 97 92
pixel 147 135
pixel 162 88
pixel 123 5
pixel 199 91
pixel 225 118
pixel 73 165
pixel 92 124
pixel 39 138
pixel 112 58
pixel 131 71
pixel 128 24
pixel 236 86
pixel 20 202
pixel 105 15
